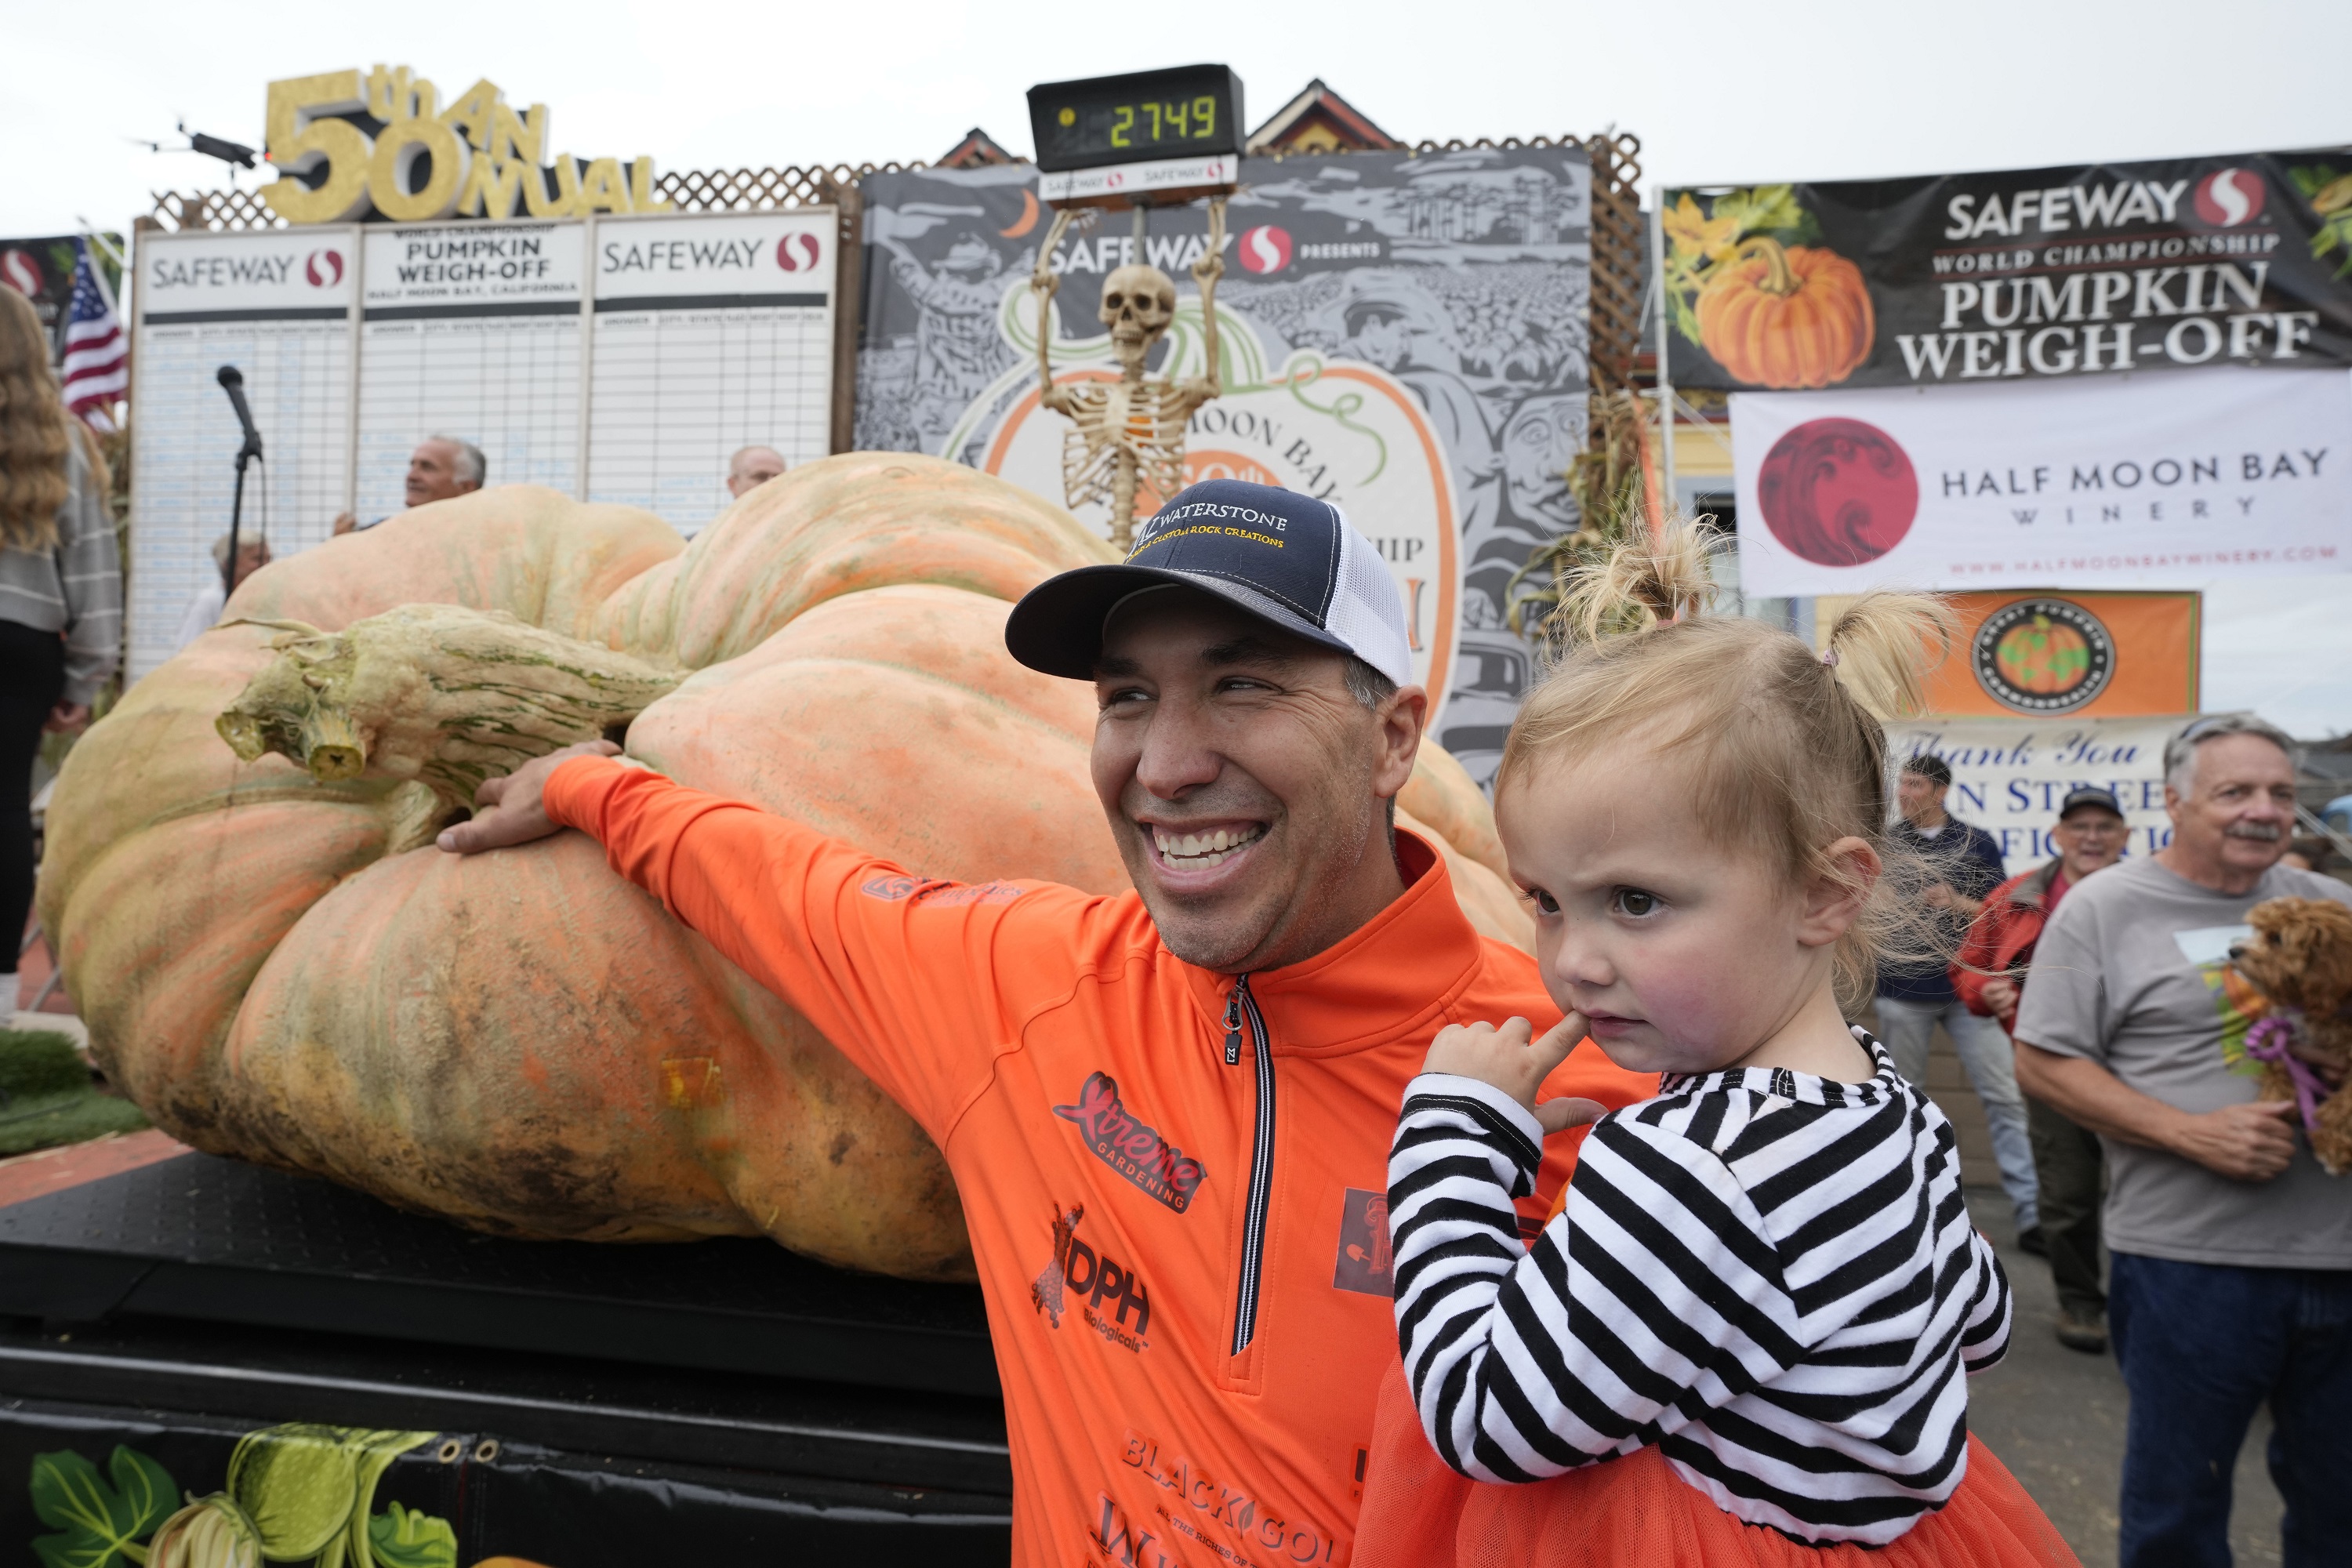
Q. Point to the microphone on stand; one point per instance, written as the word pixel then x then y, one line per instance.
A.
pixel 232 382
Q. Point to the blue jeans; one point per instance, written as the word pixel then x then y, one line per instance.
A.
pixel 2202 1345
pixel 1991 1062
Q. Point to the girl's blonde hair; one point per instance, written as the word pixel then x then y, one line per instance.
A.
pixel 34 437
pixel 1785 744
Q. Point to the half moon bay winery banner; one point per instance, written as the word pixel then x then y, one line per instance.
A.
pixel 2023 274
pixel 2146 480
pixel 1404 336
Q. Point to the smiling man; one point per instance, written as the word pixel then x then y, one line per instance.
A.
pixel 2230 1248
pixel 1168 1112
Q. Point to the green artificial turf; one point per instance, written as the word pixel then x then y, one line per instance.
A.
pixel 49 1097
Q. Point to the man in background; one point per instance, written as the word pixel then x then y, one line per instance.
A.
pixel 1989 975
pixel 441 467
pixel 205 609
pixel 2229 1246
pixel 1954 866
pixel 750 467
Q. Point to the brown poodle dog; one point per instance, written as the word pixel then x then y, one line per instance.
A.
pixel 2300 961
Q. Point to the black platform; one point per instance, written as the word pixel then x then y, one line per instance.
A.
pixel 201 1240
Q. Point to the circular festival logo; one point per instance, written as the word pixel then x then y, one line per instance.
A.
pixel 1265 248
pixel 2042 655
pixel 324 268
pixel 2227 197
pixel 1838 492
pixel 797 252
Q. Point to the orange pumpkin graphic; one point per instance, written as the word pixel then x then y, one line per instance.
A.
pixel 1785 316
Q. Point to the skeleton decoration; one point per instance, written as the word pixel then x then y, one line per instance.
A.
pixel 1129 432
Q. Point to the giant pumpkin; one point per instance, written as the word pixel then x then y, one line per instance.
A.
pixel 1785 316
pixel 276 963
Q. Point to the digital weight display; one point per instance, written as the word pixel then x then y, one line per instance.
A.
pixel 1186 111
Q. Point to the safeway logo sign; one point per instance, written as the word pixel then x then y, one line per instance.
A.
pixel 20 272
pixel 1265 248
pixel 2227 197
pixel 324 268
pixel 798 252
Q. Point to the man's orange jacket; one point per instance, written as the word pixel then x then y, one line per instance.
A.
pixel 1175 1182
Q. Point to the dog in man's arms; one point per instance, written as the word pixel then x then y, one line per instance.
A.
pixel 2298 968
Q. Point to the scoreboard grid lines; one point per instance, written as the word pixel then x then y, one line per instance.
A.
pixel 349 361
pixel 678 391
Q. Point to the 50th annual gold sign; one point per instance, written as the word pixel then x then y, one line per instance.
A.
pixel 477 158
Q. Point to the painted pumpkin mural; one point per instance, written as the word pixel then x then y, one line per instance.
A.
pixel 1749 281
pixel 1785 316
pixel 276 965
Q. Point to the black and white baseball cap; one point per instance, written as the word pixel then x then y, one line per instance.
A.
pixel 1286 558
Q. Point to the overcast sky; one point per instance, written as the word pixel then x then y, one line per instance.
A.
pixel 1717 92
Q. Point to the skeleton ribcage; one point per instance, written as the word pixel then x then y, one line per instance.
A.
pixel 1153 432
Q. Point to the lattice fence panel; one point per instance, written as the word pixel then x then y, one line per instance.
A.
pixel 692 190
pixel 763 190
pixel 215 209
pixel 1620 259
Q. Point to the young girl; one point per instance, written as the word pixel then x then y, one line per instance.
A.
pixel 1764 1277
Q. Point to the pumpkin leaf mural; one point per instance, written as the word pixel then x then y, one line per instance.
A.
pixel 1767 209
pixel 2330 195
pixel 99 1524
pixel 408 1538
pixel 297 1483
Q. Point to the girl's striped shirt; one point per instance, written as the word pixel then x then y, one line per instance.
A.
pixel 1768 1275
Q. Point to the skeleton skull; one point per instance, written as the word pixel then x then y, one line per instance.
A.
pixel 1138 303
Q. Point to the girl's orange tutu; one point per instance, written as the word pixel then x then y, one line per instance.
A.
pixel 1637 1511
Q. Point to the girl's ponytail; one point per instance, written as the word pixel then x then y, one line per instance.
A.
pixel 1644 582
pixel 1884 648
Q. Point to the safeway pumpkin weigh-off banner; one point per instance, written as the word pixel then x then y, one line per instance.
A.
pixel 2021 274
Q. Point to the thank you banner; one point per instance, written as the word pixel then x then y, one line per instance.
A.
pixel 2145 482
pixel 2026 274
pixel 2010 775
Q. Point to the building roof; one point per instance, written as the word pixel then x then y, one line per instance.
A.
pixel 977 150
pixel 1320 120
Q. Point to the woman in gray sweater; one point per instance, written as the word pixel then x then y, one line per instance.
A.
pixel 60 598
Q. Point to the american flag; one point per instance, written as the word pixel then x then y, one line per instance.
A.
pixel 97 353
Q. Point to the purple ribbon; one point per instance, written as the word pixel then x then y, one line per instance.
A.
pixel 2268 1041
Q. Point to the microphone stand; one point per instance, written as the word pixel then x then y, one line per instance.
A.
pixel 232 382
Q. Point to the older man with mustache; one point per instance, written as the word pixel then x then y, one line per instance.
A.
pixel 1168 1112
pixel 2231 1283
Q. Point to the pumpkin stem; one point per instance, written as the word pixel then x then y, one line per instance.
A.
pixel 435 693
pixel 1779 278
pixel 333 747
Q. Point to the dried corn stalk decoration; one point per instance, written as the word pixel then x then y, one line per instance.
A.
pixel 1606 479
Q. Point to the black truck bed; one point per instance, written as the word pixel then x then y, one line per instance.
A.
pixel 724 1393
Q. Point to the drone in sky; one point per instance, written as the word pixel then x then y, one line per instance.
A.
pixel 236 155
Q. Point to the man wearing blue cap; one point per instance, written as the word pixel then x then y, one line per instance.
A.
pixel 1168 1112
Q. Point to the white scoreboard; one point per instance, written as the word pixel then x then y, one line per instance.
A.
pixel 616 358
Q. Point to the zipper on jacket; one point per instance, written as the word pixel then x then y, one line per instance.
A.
pixel 1241 1009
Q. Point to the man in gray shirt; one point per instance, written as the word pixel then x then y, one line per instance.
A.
pixel 2231 1278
